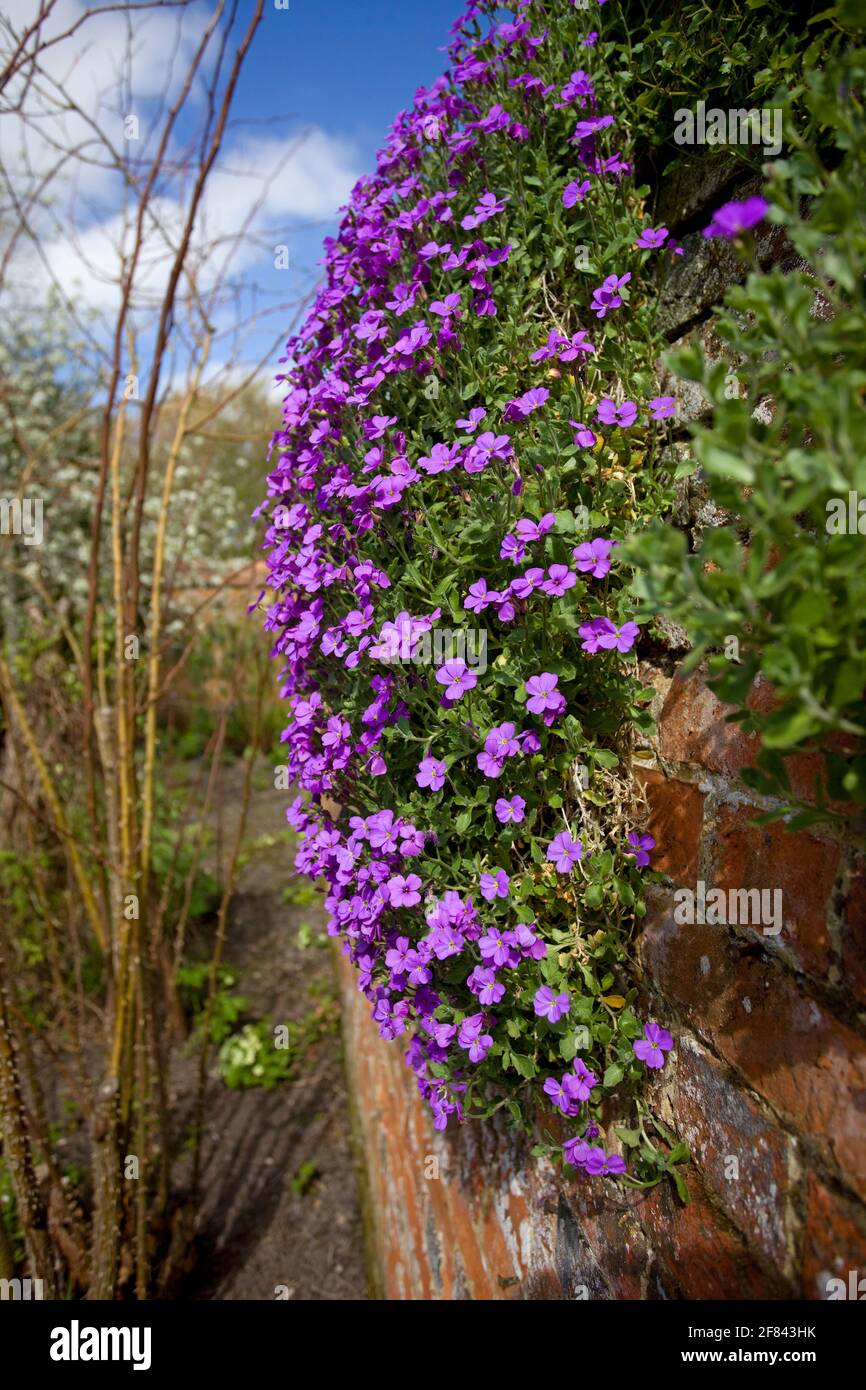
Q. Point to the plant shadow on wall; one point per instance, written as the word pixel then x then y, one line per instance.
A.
pixel 470 494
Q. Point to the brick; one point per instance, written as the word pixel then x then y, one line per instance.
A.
pixel 701 1256
pixel 803 867
pixel 791 1051
pixel 693 729
pixel 721 1123
pixel 854 934
pixel 676 814
pixel 835 1239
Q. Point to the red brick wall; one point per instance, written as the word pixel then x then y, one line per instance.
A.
pixel 767 1083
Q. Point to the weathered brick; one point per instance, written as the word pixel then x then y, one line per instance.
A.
pixel 701 1256
pixel 745 1157
pixel 771 857
pixel 693 729
pixel 675 822
pixel 835 1239
pixel 791 1051
pixel 854 934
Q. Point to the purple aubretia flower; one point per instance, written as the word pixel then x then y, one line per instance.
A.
pixel 583 436
pixel 542 692
pixel 651 1048
pixel 606 296
pixel 431 773
pixel 609 413
pixel 600 634
pixel 403 892
pixel 651 237
pixel 732 219
pixel 562 1093
pixel 551 1006
pixel 593 557
pixel 564 852
pixel 476 415
pixel 640 845
pixel 576 1151
pixel 662 407
pixel 574 193
pixel 599 1164
pixel 494 885
pixel 584 1079
pixel 457 679
pixel 496 946
pixel 510 812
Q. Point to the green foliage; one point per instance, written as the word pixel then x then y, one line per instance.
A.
pixel 193 981
pixel 262 1054
pixel 787 459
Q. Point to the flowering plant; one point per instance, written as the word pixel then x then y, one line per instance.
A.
pixel 466 440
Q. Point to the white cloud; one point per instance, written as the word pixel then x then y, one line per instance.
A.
pixel 259 190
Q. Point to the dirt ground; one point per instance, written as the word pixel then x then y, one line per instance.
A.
pixel 260 1239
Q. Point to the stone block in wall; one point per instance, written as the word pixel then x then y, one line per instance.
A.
pixel 834 1240
pixel 745 1156
pixel 676 816
pixel 809 1065
pixel 801 867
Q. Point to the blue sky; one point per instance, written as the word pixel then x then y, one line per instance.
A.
pixel 321 85
pixel 347 69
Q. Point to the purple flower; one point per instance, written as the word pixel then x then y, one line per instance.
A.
pixel 576 345
pixel 431 773
pixel 501 742
pixel 606 296
pixel 600 634
pixel 510 812
pixel 476 415
pixel 551 1006
pixel 593 557
pixel 559 1093
pixel 529 530
pixel 441 459
pixel 402 892
pixel 490 765
pixel 542 692
pixel 457 679
pixel 480 597
pixel 396 958
pixel 609 413
pixel 599 1164
pixel 574 193
pixel 484 983
pixel 651 1048
pixel 497 946
pixel 479 1047
pixel 554 342
pixel 512 549
pixel 583 436
pixel 564 852
pixel 584 1079
pixel 640 844
pixel 524 405
pixel 494 885
pixel 651 237
pixel 487 446
pixel 576 1151
pixel 528 582
pixel 559 580
pixel 662 407
pixel 732 219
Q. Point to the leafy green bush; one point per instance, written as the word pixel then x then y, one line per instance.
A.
pixel 785 457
